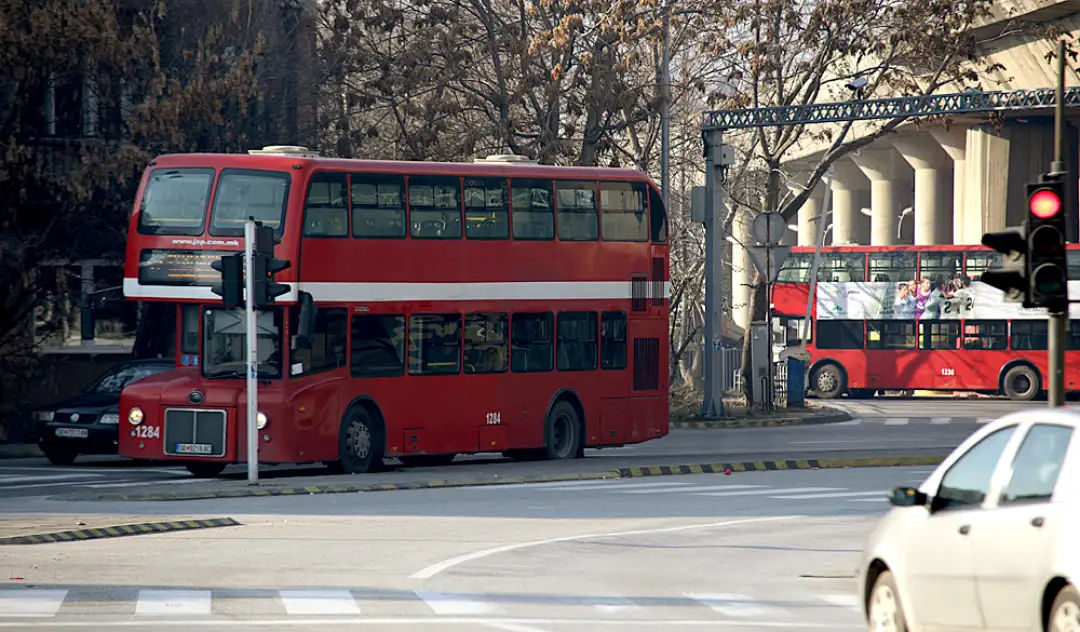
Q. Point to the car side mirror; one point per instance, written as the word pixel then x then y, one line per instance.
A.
pixel 907 497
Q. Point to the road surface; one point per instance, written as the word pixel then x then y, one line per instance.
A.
pixel 772 550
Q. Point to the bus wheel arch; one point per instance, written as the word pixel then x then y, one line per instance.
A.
pixel 1009 381
pixel 565 401
pixel 828 369
pixel 362 417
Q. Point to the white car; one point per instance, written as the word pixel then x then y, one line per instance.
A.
pixel 990 541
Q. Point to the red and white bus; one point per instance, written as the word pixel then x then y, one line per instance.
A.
pixel 916 317
pixel 495 306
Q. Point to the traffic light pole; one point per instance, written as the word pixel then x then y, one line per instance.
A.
pixel 252 354
pixel 1058 317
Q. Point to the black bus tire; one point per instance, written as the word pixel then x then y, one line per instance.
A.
pixel 562 434
pixel 829 382
pixel 360 443
pixel 205 469
pixel 1021 383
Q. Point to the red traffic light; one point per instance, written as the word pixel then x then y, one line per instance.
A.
pixel 1044 204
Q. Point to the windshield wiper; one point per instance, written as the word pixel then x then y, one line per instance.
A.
pixel 226 374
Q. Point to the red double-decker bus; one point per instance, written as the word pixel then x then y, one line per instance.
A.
pixel 497 306
pixel 904 318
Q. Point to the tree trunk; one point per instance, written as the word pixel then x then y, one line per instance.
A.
pixel 757 313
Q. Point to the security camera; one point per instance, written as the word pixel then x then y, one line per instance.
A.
pixel 858 83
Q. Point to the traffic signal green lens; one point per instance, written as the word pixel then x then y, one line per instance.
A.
pixel 1050 279
pixel 1044 204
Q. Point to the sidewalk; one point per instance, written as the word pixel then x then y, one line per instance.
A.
pixel 686 407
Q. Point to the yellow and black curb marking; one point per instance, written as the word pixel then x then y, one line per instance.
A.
pixel 309 490
pixel 771 466
pixel 771 422
pixel 119 531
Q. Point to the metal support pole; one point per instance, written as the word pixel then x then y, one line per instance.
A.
pixel 1058 318
pixel 770 394
pixel 252 355
pixel 712 404
pixel 665 107
pixel 812 295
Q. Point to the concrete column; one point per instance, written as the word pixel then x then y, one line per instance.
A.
pixel 849 188
pixel 933 187
pixel 742 271
pixel 954 142
pixel 986 182
pixel 811 208
pixel 890 184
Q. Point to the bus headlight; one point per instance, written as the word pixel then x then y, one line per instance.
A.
pixel 261 420
pixel 135 417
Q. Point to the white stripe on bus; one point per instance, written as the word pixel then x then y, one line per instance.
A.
pixel 400 292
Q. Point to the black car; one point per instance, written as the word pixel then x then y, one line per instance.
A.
pixel 88 422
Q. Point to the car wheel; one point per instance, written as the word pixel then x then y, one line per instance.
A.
pixel 60 455
pixel 1065 613
pixel 886 613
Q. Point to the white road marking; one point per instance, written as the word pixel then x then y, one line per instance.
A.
pixel 615 604
pixel 940 420
pixel 881 494
pixel 763 492
pixel 732 605
pixel 308 602
pixel 31 603
pixel 434 569
pixel 36 479
pixel 439 623
pixel 514 627
pixel 185 602
pixel 444 604
pixel 896 421
pixel 850 422
pixel 850 602
pixel 696 488
pixel 146 483
pixel 865 500
pixel 559 485
pixel 984 420
pixel 619 488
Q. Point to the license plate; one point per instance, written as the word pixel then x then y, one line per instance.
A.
pixel 74 433
pixel 194 448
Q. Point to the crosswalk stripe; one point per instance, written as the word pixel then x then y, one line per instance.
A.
pixel 31 603
pixel 309 602
pixel 696 488
pixel 850 422
pixel 731 605
pixel 896 421
pixel 620 488
pixel 940 420
pixel 764 492
pixel 450 604
pixel 850 602
pixel 186 602
pixel 865 500
pixel 879 494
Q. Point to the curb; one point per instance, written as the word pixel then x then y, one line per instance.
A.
pixel 311 490
pixel 761 466
pixel 118 531
pixel 762 423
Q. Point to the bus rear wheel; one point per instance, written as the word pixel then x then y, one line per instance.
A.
pixel 563 432
pixel 205 470
pixel 1021 383
pixel 359 443
pixel 829 382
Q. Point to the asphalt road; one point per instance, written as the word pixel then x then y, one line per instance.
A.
pixel 772 550
pixel 881 427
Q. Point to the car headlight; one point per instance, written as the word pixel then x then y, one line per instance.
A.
pixel 261 420
pixel 135 417
pixel 44 415
pixel 110 418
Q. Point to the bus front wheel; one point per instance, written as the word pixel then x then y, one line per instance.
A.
pixel 1021 383
pixel 829 382
pixel 563 432
pixel 202 469
pixel 359 443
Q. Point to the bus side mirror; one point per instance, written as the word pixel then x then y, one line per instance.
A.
pixel 305 329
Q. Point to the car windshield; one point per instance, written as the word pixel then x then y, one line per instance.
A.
pixel 223 343
pixel 114 381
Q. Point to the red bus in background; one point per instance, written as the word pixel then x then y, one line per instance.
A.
pixel 497 306
pixel 916 317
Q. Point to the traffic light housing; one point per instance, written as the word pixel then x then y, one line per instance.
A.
pixel 1012 277
pixel 265 266
pixel 1047 269
pixel 231 287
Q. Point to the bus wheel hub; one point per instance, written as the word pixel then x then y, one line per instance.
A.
pixel 359 440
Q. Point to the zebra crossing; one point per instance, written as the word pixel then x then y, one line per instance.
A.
pixel 59 604
pixel 695 486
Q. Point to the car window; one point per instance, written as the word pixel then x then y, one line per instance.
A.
pixel 968 480
pixel 1037 464
pixel 115 380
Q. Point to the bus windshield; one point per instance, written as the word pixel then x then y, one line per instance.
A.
pixel 224 343
pixel 175 201
pixel 244 193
